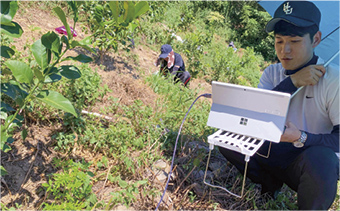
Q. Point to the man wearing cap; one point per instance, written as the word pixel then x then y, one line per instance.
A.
pixel 307 157
pixel 173 63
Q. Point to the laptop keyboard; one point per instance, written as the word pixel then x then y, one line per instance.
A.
pixel 236 142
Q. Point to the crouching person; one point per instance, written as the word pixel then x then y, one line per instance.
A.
pixel 172 63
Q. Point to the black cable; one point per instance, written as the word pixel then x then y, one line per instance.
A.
pixel 173 156
pixel 330 33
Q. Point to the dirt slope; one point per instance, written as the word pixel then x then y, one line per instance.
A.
pixel 31 160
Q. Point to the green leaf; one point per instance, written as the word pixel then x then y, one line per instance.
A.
pixel 6 107
pixel 52 78
pixel 111 178
pixel 4 138
pixel 51 41
pixel 76 43
pixel 12 24
pixel 40 54
pixel 62 17
pixel 16 123
pixel 3 115
pixel 3 171
pixel 114 6
pixel 7 52
pixel 105 161
pixel 10 140
pixel 21 71
pixel 24 134
pixel 129 11
pixel 65 40
pixel 141 8
pixel 80 58
pixel 6 148
pixel 90 173
pixel 49 71
pixel 70 72
pixel 13 30
pixel 5 71
pixel 79 3
pixel 123 184
pixel 8 10
pixel 197 161
pixel 99 13
pixel 56 100
pixel 74 6
pixel 49 55
pixel 38 74
pixel 85 41
pixel 142 182
pixel 132 26
pixel 13 91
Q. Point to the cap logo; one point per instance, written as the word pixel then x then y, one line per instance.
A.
pixel 287 9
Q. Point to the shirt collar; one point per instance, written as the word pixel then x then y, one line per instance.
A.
pixel 311 62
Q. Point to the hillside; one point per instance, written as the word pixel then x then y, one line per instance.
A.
pixel 116 155
pixel 29 163
pixel 120 72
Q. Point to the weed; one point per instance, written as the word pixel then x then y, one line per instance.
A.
pixel 127 193
pixel 85 91
pixel 75 183
pixel 64 141
pixel 177 100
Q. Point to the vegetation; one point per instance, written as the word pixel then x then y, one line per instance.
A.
pixel 206 36
pixel 44 84
pixel 112 22
pixel 26 83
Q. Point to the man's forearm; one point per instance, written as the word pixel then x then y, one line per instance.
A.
pixel 329 140
pixel 286 86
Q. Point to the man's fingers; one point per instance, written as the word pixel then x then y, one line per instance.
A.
pixel 320 68
pixel 319 73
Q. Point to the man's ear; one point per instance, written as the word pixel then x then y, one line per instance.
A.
pixel 316 39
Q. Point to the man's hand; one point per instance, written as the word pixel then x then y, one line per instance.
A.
pixel 291 134
pixel 308 76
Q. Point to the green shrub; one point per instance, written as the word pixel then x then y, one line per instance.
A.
pixel 71 189
pixel 157 10
pixel 85 91
pixel 228 66
pixel 248 19
pixel 193 48
pixel 127 193
pixel 154 33
pixel 176 101
pixel 112 23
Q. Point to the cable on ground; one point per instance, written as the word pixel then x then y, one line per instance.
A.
pixel 206 95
